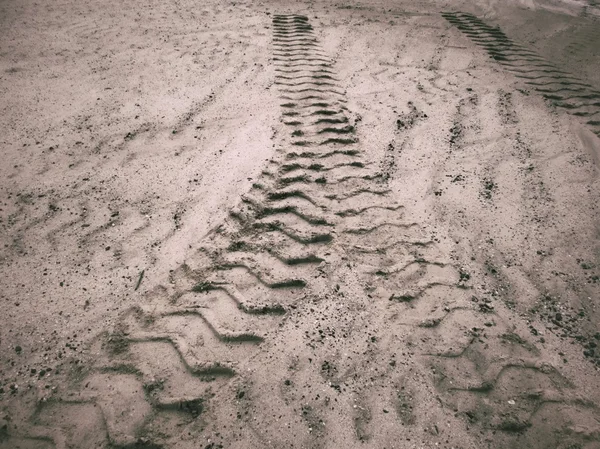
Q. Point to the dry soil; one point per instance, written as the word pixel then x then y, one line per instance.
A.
pixel 292 224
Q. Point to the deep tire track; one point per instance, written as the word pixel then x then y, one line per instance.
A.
pixel 233 290
pixel 191 335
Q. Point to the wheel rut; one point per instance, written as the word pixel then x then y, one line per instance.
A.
pixel 366 329
pixel 165 357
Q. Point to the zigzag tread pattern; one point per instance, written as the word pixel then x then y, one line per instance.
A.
pixel 158 368
pixel 162 359
pixel 564 90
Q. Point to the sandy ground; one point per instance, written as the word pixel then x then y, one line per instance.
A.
pixel 299 224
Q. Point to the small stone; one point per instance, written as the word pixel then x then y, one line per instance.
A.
pixel 18 349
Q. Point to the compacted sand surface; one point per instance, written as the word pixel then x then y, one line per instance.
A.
pixel 299 224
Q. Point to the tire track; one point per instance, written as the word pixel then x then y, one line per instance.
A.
pixel 319 231
pixel 333 188
pixel 561 88
pixel 484 368
pixel 297 73
pixel 165 356
pixel 457 344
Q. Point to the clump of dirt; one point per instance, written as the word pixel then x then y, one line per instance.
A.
pixel 411 118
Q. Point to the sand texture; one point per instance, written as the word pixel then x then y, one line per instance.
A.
pixel 280 224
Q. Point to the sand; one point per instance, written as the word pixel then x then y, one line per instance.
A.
pixel 299 224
